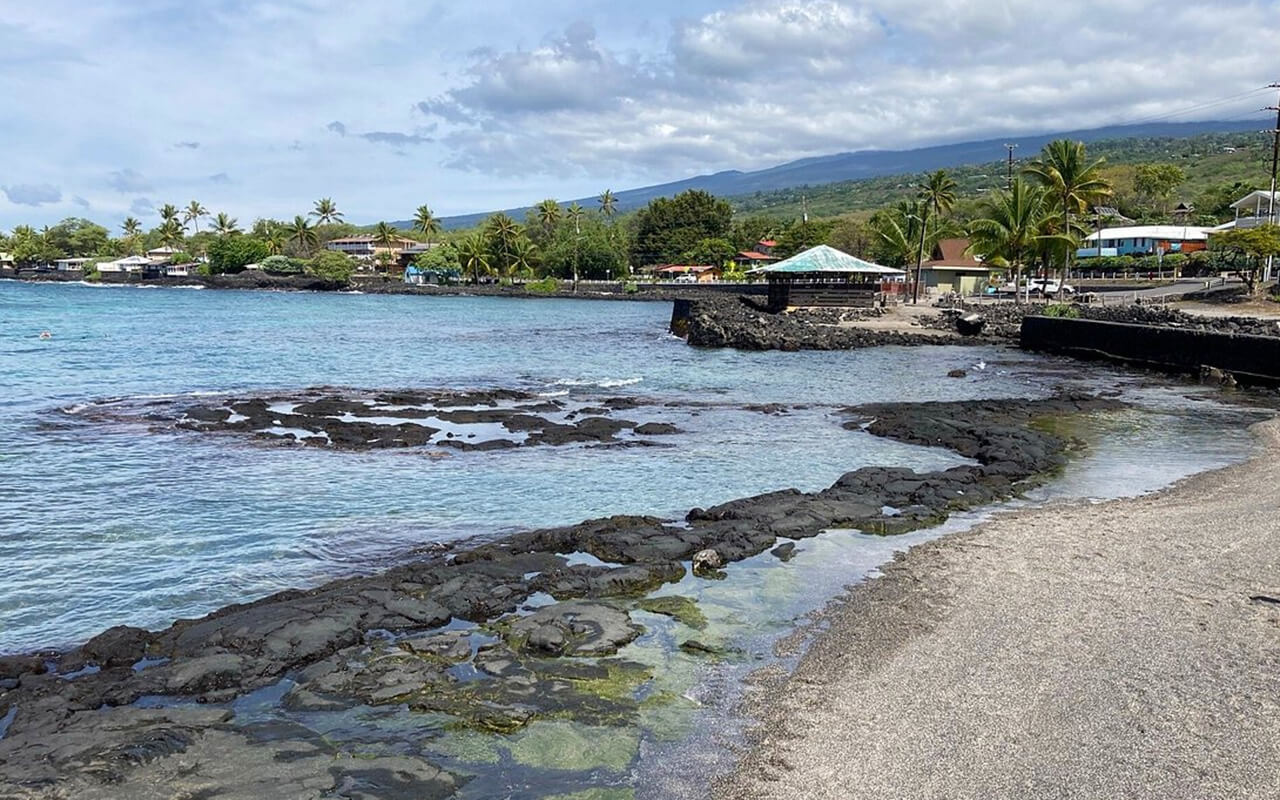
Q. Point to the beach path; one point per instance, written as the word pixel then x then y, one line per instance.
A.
pixel 1129 649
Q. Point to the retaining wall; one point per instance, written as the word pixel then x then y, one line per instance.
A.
pixel 1252 359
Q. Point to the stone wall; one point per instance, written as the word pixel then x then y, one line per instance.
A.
pixel 1250 358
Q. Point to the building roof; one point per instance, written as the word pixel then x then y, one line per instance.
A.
pixel 824 259
pixel 686 268
pixel 1254 198
pixel 368 239
pixel 1174 233
pixel 767 243
pixel 751 255
pixel 168 251
pixel 953 254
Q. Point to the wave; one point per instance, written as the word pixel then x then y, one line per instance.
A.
pixel 605 383
pixel 554 394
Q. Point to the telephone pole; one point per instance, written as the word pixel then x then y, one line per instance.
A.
pixel 1008 181
pixel 1275 162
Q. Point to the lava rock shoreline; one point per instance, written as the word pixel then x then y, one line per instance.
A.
pixel 75 728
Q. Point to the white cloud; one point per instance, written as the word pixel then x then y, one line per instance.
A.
pixel 32 194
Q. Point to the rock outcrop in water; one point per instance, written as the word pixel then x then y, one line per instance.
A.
pixel 76 727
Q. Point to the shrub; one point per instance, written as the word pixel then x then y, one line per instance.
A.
pixel 281 265
pixel 630 287
pixel 1062 311
pixel 231 254
pixel 547 285
pixel 332 266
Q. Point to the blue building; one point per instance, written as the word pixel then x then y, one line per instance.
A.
pixel 1144 240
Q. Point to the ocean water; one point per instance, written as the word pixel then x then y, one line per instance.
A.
pixel 104 524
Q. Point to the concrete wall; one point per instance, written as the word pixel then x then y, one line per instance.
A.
pixel 1252 359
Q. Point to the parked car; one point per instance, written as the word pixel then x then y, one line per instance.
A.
pixel 688 277
pixel 1047 286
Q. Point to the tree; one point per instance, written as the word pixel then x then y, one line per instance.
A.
pixel 331 266
pixel 746 234
pixel 1155 184
pixel 132 230
pixel 936 198
pixel 425 222
pixel 170 232
pixel 473 254
pixel 897 233
pixel 274 236
pixel 225 225
pixel 1247 250
pixel 524 257
pixel 852 236
pixel 801 235
pixel 231 254
pixel 192 213
pixel 501 233
pixel 168 212
pixel 608 203
pixel 326 212
pixel 1012 225
pixel 547 214
pixel 594 250
pixel 668 227
pixel 710 251
pixel 1064 169
pixel 78 237
pixel 387 236
pixel 302 234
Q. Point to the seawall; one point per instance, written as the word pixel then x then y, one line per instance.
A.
pixel 1251 359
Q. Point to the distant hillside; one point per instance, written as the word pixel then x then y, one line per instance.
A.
pixel 844 167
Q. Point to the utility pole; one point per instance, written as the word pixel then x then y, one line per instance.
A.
pixel 1275 162
pixel 1008 181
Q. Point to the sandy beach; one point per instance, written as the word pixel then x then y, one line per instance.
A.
pixel 1126 649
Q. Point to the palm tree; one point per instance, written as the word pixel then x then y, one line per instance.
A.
pixel 192 214
pixel 574 214
pixel 898 230
pixel 548 212
pixel 132 230
pixel 171 233
pixel 523 256
pixel 168 212
pixel 502 233
pixel 1014 226
pixel 937 196
pixel 608 203
pixel 303 234
pixel 225 225
pixel 274 237
pixel 1064 170
pixel 326 212
pixel 425 222
pixel 387 236
pixel 473 253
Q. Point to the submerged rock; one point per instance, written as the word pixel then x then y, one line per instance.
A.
pixel 677 607
pixel 574 628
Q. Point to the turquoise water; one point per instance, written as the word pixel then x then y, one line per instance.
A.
pixel 106 524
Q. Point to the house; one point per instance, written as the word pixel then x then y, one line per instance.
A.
pixel 703 273
pixel 368 247
pixel 765 246
pixel 6 261
pixel 1144 240
pixel 1182 212
pixel 1110 215
pixel 181 270
pixel 750 259
pixel 410 253
pixel 824 276
pixel 951 268
pixel 70 264
pixel 162 253
pixel 1254 209
pixel 131 265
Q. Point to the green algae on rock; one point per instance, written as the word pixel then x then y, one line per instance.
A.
pixel 678 607
pixel 575 747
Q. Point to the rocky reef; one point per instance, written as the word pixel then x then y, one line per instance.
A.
pixel 523 637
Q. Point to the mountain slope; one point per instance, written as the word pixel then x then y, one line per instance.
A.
pixel 820 170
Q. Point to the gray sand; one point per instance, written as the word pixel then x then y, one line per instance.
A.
pixel 1105 651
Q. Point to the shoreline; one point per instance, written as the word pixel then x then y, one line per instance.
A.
pixel 1126 648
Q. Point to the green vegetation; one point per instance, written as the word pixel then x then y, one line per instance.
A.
pixel 668 228
pixel 575 747
pixel 332 266
pixel 680 608
pixel 231 254
pixel 1061 311
pixel 1247 250
pixel 547 285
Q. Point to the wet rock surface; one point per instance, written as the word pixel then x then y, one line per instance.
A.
pixel 1004 320
pixel 502 663
pixel 345 419
pixel 726 322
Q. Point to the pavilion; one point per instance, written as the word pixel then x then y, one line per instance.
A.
pixel 823 276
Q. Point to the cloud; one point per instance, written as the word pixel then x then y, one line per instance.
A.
pixel 394 138
pixel 220 177
pixel 33 194
pixel 337 127
pixel 141 205
pixel 80 201
pixel 187 145
pixel 128 181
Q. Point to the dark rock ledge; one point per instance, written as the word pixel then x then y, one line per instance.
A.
pixel 377 640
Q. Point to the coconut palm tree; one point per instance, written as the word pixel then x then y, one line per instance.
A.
pixel 574 214
pixel 524 255
pixel 608 203
pixel 301 233
pixel 274 237
pixel 1014 225
pixel 132 230
pixel 168 212
pixel 937 196
pixel 898 231
pixel 225 225
pixel 1063 168
pixel 387 236
pixel 326 212
pixel 473 254
pixel 425 222
pixel 192 213
pixel 548 213
pixel 171 233
pixel 502 233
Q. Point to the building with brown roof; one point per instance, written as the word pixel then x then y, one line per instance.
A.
pixel 953 268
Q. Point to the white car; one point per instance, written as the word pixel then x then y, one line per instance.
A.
pixel 688 277
pixel 1050 287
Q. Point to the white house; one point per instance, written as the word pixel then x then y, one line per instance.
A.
pixel 162 253
pixel 367 247
pixel 70 264
pixel 1143 240
pixel 129 264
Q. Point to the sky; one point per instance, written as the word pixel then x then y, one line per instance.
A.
pixel 115 107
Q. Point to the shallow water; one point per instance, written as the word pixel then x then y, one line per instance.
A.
pixel 108 524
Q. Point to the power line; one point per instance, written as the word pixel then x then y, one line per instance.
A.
pixel 1197 107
